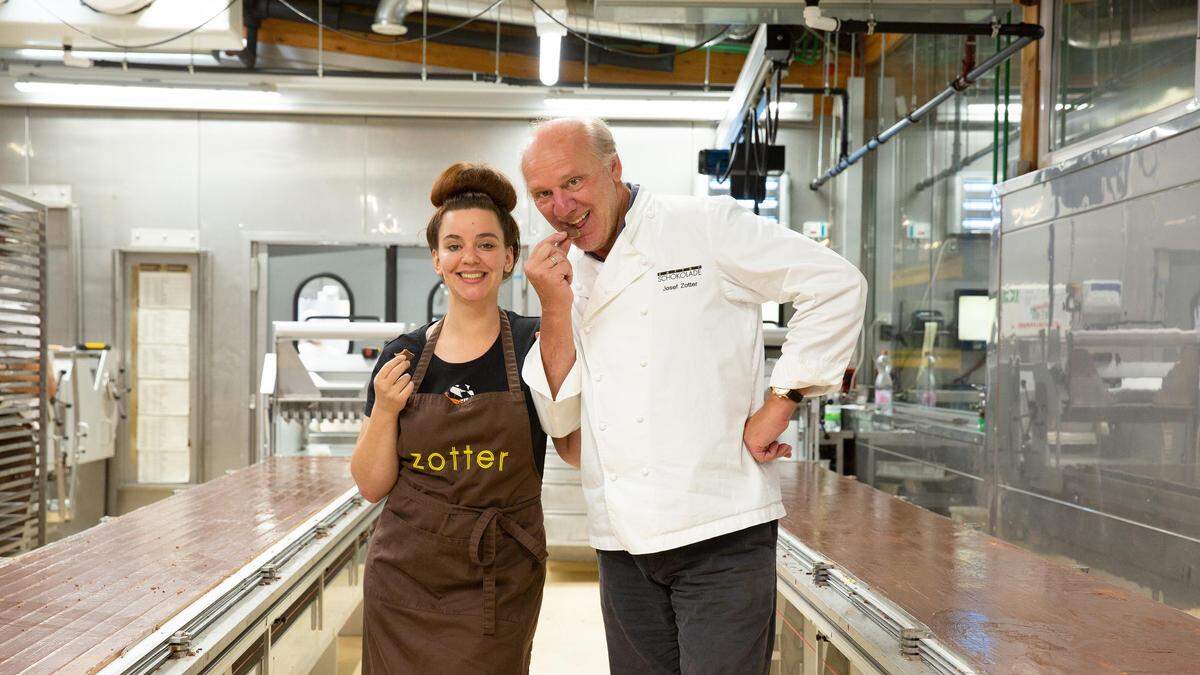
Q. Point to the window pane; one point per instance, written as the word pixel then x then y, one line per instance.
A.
pixel 1119 60
pixel 323 296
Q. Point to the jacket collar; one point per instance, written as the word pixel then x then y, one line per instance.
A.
pixel 628 260
pixel 634 189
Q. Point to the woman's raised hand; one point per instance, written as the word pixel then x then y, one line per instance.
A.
pixel 393 385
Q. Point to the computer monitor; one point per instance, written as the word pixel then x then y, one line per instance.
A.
pixel 975 313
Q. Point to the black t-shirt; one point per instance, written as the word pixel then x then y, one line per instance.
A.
pixel 463 380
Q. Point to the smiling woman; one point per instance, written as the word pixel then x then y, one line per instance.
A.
pixel 453 442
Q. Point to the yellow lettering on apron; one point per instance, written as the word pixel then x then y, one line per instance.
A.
pixel 484 459
pixel 441 462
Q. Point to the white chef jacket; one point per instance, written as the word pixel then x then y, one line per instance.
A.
pixel 669 361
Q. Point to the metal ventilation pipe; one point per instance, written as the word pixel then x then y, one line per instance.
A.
pixel 390 15
pixel 386 21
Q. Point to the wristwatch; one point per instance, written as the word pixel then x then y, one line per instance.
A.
pixel 792 395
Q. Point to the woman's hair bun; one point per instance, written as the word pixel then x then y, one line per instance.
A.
pixel 464 178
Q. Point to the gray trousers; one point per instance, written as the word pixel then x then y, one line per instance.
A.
pixel 707 607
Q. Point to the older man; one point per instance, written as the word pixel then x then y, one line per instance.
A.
pixel 649 372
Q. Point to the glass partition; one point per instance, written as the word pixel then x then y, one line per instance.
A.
pixel 931 217
pixel 1118 60
pixel 1090 447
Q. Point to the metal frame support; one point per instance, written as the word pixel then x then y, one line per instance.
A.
pixel 916 115
pixel 770 51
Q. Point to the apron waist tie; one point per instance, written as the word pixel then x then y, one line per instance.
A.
pixel 483 542
pixel 483 553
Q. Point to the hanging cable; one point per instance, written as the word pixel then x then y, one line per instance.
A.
pixel 320 38
pixel 148 45
pixel 497 43
pixel 424 36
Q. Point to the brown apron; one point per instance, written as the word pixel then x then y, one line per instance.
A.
pixel 455 568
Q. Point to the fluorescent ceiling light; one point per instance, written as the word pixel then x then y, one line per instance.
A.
pixel 986 112
pixel 139 95
pixel 550 31
pixel 175 58
pixel 548 58
pixel 640 108
pixel 778 108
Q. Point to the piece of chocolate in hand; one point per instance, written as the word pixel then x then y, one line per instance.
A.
pixel 572 232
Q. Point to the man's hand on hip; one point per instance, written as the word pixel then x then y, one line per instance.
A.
pixel 550 273
pixel 764 427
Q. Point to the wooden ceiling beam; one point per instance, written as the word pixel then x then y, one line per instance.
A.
pixel 876 46
pixel 688 69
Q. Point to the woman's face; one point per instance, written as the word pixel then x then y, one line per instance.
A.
pixel 471 256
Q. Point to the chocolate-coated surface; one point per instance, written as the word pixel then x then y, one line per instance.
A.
pixel 76 604
pixel 1002 608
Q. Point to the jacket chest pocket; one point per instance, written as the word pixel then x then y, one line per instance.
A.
pixel 682 293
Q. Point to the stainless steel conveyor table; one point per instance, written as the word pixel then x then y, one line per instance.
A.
pixel 215 575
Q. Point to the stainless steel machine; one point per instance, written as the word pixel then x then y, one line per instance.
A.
pixel 312 399
pixel 84 414
pixel 1094 379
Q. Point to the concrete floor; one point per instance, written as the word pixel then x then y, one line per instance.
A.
pixel 570 634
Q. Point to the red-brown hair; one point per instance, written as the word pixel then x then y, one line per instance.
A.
pixel 474 186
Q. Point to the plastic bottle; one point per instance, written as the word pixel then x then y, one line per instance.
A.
pixel 927 382
pixel 883 384
pixel 833 414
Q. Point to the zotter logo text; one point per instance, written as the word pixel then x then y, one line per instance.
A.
pixel 458 460
pixel 680 278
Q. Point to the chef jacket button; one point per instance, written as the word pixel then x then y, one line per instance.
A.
pixel 587 329
pixel 603 426
pixel 612 477
pixel 645 472
pixel 641 419
pixel 645 311
pixel 642 363
pixel 598 376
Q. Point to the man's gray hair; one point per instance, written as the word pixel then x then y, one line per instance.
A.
pixel 599 135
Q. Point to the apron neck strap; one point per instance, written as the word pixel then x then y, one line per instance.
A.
pixel 510 354
pixel 426 355
pixel 506 339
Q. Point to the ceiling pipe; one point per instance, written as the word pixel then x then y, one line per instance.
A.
pixel 386 20
pixel 519 12
pixel 815 20
pixel 914 116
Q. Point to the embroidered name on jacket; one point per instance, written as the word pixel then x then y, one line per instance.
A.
pixel 683 277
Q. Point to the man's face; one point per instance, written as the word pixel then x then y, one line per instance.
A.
pixel 573 188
